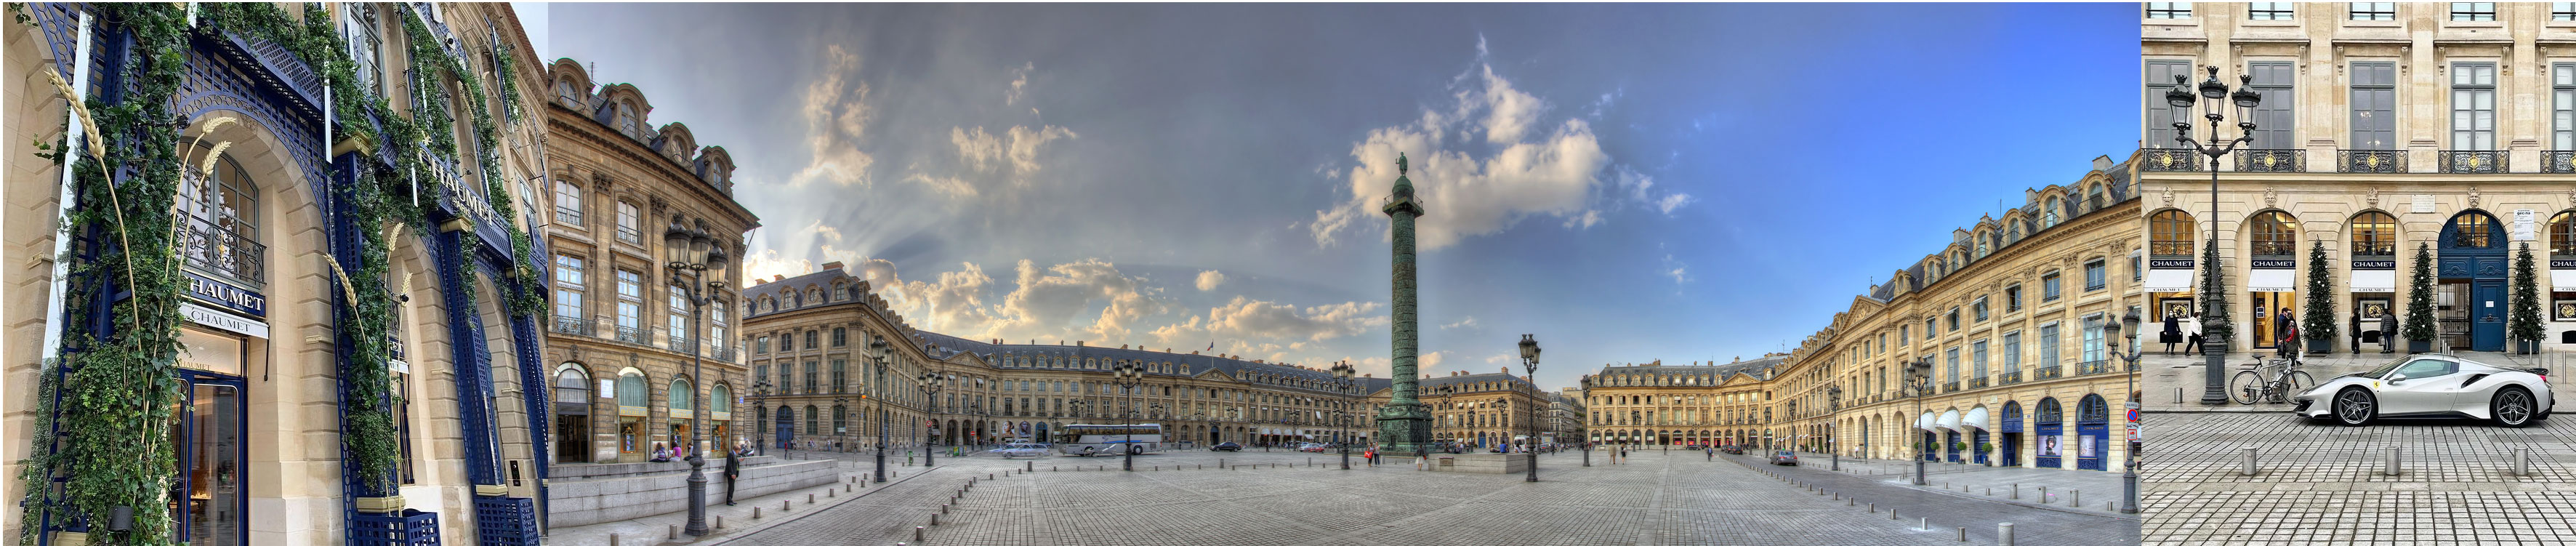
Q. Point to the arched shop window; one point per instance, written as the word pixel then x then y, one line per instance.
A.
pixel 221 231
pixel 2471 230
pixel 2275 234
pixel 720 399
pixel 2562 234
pixel 2169 233
pixel 631 390
pixel 683 396
pixel 2374 233
pixel 571 385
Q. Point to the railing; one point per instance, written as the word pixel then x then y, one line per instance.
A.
pixel 223 251
pixel 1950 387
pixel 2008 378
pixel 721 353
pixel 2050 372
pixel 2476 161
pixel 630 334
pixel 2171 159
pixel 571 325
pixel 2558 161
pixel 1977 382
pixel 2272 161
pixel 2370 161
pixel 2092 367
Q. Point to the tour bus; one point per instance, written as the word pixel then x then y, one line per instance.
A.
pixel 1089 440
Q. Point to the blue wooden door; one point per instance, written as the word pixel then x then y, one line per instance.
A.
pixel 1976 446
pixel 2093 439
pixel 2486 315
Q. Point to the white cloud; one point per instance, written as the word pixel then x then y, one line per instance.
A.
pixel 1246 319
pixel 1025 143
pixel 1046 299
pixel 1535 171
pixel 1428 361
pixel 836 113
pixel 1469 322
pixel 1208 280
pixel 1670 202
pixel 1675 269
pixel 1019 85
pixel 985 152
pixel 979 149
pixel 1586 220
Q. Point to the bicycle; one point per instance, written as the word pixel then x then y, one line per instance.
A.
pixel 2250 385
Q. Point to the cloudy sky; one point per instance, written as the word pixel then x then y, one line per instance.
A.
pixel 1628 182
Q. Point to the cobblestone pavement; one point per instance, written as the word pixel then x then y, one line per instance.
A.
pixel 2324 483
pixel 2091 488
pixel 1975 510
pixel 1276 499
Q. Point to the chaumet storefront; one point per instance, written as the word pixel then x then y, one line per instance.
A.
pixel 227 332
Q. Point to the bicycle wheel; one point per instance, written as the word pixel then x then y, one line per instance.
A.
pixel 2245 387
pixel 2299 382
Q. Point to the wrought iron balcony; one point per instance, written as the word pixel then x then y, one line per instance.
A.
pixel 630 334
pixel 2558 161
pixel 2370 161
pixel 2008 378
pixel 223 251
pixel 721 353
pixel 2050 372
pixel 571 325
pixel 2092 367
pixel 2476 161
pixel 1950 387
pixel 1977 382
pixel 2272 161
pixel 2170 159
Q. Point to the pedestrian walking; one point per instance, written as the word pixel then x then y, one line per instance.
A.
pixel 2387 331
pixel 1712 453
pixel 2172 333
pixel 2191 329
pixel 2286 334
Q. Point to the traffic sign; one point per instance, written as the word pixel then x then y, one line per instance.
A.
pixel 2133 415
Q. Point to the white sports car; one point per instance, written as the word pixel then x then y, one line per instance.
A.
pixel 2432 385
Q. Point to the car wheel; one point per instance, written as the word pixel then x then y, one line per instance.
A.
pixel 2355 407
pixel 2513 407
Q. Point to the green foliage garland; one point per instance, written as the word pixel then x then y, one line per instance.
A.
pixel 2214 326
pixel 2419 297
pixel 2320 322
pixel 2523 323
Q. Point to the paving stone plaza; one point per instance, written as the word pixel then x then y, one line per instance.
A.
pixel 1652 498
pixel 2318 482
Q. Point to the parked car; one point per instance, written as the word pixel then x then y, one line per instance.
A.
pixel 1227 446
pixel 1785 457
pixel 1731 450
pixel 2432 385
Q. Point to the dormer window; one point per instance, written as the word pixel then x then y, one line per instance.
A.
pixel 626 118
pixel 565 93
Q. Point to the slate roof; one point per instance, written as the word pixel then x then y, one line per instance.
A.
pixel 1754 367
pixel 1268 374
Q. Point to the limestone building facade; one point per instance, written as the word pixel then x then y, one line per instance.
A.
pixel 2384 129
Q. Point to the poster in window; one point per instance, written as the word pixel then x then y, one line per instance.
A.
pixel 2372 309
pixel 2565 309
pixel 2175 307
pixel 2085 446
pixel 2048 446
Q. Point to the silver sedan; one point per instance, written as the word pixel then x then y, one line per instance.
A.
pixel 2432 385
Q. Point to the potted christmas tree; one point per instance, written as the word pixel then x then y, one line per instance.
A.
pixel 2320 321
pixel 2522 323
pixel 2419 326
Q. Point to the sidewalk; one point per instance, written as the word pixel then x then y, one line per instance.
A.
pixel 737 520
pixel 1993 483
pixel 2175 383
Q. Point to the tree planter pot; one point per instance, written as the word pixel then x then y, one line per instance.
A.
pixel 2526 346
pixel 2413 346
pixel 2320 346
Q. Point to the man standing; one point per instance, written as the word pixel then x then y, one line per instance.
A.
pixel 2387 331
pixel 732 471
pixel 2287 330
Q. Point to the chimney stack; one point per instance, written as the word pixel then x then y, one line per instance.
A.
pixel 831 266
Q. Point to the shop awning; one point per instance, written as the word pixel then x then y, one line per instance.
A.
pixel 2380 280
pixel 2168 280
pixel 2272 280
pixel 2562 280
pixel 1974 419
pixel 1924 422
pixel 1949 421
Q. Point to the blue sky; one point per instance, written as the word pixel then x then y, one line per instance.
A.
pixel 1628 182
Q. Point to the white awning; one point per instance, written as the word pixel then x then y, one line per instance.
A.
pixel 2272 280
pixel 1974 419
pixel 2168 280
pixel 1924 422
pixel 2562 280
pixel 1949 421
pixel 2382 280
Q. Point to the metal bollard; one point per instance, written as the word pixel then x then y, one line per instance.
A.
pixel 916 533
pixel 809 498
pixel 2246 457
pixel 755 512
pixel 675 532
pixel 612 539
pixel 1963 534
pixel 783 505
pixel 1033 466
pixel 934 518
pixel 943 509
pixel 2073 497
pixel 2396 458
pixel 2004 534
pixel 2521 461
pixel 1990 491
pixel 1873 508
pixel 2043 494
pixel 988 475
pixel 827 493
pixel 1923 524
pixel 1891 513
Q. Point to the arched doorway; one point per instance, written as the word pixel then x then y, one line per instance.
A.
pixel 572 414
pixel 2272 282
pixel 786 426
pixel 2093 432
pixel 2050 425
pixel 2010 426
pixel 2469 303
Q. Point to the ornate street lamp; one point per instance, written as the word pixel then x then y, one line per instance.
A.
pixel 692 252
pixel 879 351
pixel 1529 360
pixel 1833 403
pixel 2216 329
pixel 1342 373
pixel 1127 376
pixel 930 384
pixel 2129 471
